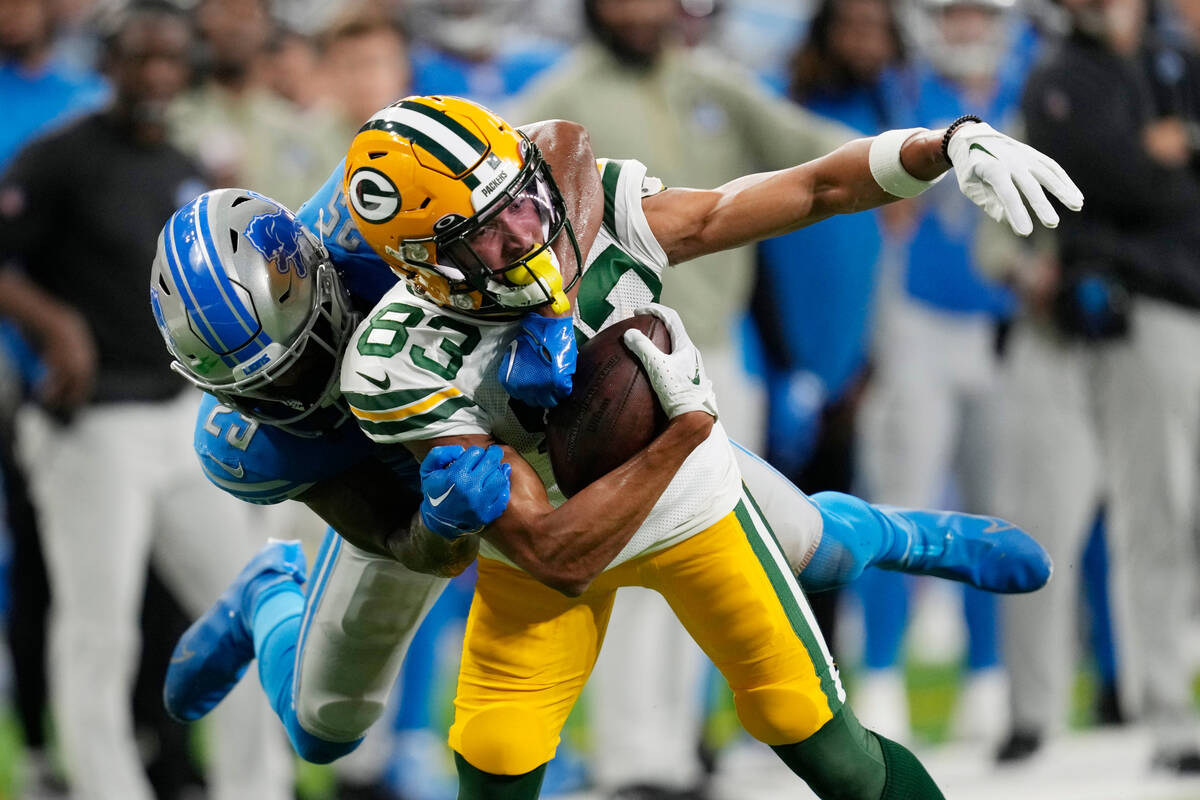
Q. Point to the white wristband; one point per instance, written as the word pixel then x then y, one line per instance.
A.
pixel 886 168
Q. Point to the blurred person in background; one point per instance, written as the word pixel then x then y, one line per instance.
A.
pixel 77 38
pixel 1187 15
pixel 37 92
pixel 292 65
pixel 815 342
pixel 242 132
pixel 487 50
pixel 1115 104
pixel 107 453
pixel 926 416
pixel 1049 472
pixel 365 55
pixel 700 120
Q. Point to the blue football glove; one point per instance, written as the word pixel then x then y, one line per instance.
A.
pixel 795 402
pixel 464 490
pixel 538 365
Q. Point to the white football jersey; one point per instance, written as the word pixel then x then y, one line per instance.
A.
pixel 416 370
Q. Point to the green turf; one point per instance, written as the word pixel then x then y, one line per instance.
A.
pixel 932 689
pixel 10 749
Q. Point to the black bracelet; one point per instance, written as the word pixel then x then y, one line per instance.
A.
pixel 950 129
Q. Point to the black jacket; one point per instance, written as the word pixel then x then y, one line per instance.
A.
pixel 80 212
pixel 1086 107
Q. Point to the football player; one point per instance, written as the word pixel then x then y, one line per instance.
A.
pixel 452 197
pixel 854 534
pixel 256 315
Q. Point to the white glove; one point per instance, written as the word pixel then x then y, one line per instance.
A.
pixel 678 377
pixel 995 171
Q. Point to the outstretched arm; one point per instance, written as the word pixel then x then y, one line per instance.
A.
pixel 993 170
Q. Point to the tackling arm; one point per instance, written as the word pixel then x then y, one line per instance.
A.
pixel 374 511
pixel 546 342
pixel 568 152
pixel 567 547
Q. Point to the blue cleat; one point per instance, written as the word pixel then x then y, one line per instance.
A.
pixel 213 654
pixel 985 552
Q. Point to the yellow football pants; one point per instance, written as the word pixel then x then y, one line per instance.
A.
pixel 529 649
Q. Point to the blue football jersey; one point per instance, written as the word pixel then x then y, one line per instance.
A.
pixel 265 464
pixel 364 274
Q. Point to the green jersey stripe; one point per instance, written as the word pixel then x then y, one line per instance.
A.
pixel 762 542
pixel 416 422
pixel 389 400
pixel 609 178
pixel 776 550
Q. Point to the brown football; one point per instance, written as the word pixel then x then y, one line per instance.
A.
pixel 612 411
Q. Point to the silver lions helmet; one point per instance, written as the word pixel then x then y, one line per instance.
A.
pixel 252 309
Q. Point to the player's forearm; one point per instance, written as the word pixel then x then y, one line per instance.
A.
pixel 566 548
pixel 422 550
pixel 756 207
pixel 371 509
pixel 844 182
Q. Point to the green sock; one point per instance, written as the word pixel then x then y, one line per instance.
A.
pixel 475 784
pixel 841 761
pixel 907 778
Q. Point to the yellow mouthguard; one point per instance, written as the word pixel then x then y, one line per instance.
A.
pixel 542 268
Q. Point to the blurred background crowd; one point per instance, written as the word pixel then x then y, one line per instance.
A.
pixel 919 356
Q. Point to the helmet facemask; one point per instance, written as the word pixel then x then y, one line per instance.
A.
pixel 301 382
pixel 465 248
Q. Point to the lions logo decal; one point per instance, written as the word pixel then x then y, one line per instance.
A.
pixel 276 236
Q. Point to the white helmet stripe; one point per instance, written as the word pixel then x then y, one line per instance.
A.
pixel 443 135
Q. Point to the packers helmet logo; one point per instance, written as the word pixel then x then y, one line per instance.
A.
pixel 374 197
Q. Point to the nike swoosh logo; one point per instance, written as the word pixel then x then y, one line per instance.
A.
pixel 997 526
pixel 978 146
pixel 437 501
pixel 384 384
pixel 512 358
pixel 238 472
